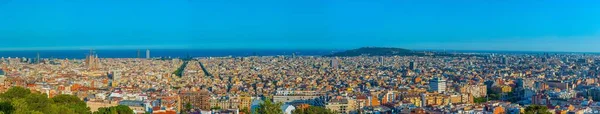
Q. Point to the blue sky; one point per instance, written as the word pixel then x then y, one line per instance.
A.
pixel 527 25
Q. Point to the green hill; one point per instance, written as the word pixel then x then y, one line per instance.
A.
pixel 376 51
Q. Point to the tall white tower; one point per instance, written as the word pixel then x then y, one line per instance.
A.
pixel 147 54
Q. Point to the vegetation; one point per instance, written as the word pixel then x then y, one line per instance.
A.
pixel 268 107
pixel 313 110
pixel 18 100
pixel 204 69
pixel 188 107
pixel 480 100
pixel 179 71
pixel 120 109
pixel 536 109
pixel 490 97
pixel 71 102
pixel 215 108
pixel 245 110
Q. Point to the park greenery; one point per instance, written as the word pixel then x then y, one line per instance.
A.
pixel 536 109
pixel 19 100
pixel 179 71
pixel 313 110
pixel 268 107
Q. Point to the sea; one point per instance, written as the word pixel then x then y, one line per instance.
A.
pixel 160 53
pixel 184 53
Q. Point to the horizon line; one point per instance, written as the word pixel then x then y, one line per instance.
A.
pixel 328 49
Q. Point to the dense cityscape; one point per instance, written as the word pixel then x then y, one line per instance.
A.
pixel 481 83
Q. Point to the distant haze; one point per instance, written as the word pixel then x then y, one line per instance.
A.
pixel 520 25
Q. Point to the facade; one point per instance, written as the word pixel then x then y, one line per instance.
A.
pixel 245 102
pixel 437 84
pixel 334 63
pixel 285 96
pixel 225 102
pixel 338 106
pixel 200 100
pixel 502 89
pixel 413 98
pixel 477 91
pixel 434 99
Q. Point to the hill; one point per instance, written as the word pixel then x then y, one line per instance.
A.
pixel 386 51
pixel 376 51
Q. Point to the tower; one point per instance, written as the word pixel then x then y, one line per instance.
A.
pixel 147 54
pixel 37 60
pixel 333 63
pixel 411 65
pixel 138 53
pixel 91 60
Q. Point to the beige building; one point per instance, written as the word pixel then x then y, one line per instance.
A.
pixel 225 102
pixel 245 101
pixel 461 99
pixel 197 99
pixel 414 98
pixel 476 91
pixel 339 105
pixel 290 96
pixel 434 99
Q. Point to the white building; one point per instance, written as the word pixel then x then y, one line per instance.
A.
pixel 147 54
pixel 287 109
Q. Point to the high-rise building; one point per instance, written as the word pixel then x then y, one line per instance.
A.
pixel 37 59
pixel 334 63
pixel 411 65
pixel 2 73
pixel 138 53
pixel 147 54
pixel 437 84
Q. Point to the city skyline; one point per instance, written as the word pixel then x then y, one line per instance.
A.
pixel 299 57
pixel 200 24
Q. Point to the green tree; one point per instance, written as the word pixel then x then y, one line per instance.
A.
pixel 536 109
pixel 15 93
pixel 268 107
pixel 120 109
pixel 20 106
pixel 18 100
pixel 215 108
pixel 313 110
pixel 71 102
pixel 6 107
pixel 188 107
pixel 481 99
pixel 61 109
pixel 38 102
pixel 245 110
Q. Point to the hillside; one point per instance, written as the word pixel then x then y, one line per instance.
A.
pixel 376 51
